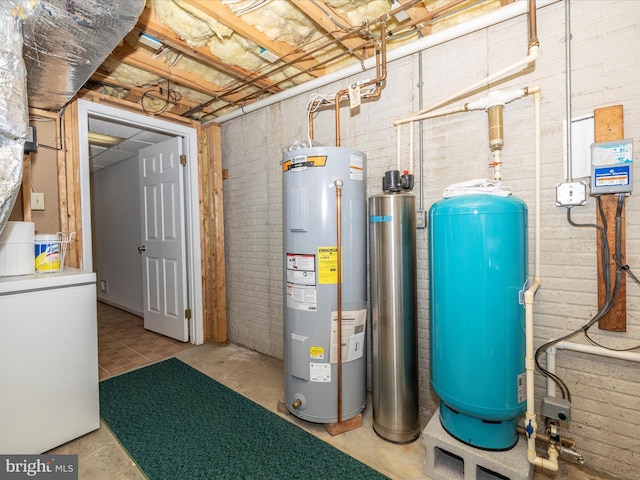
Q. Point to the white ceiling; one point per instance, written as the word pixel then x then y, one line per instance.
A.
pixel 134 139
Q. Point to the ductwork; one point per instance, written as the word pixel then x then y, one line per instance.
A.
pixel 13 110
pixel 65 41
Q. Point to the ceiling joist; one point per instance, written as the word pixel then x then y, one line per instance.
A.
pixel 222 14
pixel 326 18
pixel 148 24
pixel 306 39
pixel 157 66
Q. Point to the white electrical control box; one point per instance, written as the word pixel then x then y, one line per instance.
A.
pixel 612 167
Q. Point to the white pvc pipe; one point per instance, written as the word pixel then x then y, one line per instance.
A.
pixel 485 82
pixel 497 97
pixel 582 348
pixel 590 349
pixel 439 113
pixel 530 423
pixel 478 23
pixel 398 156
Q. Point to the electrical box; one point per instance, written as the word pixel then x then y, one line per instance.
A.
pixel 612 167
pixel 421 219
pixel 31 142
pixel 556 408
pixel 571 194
pixel 37 201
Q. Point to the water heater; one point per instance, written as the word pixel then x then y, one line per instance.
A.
pixel 317 183
pixel 478 270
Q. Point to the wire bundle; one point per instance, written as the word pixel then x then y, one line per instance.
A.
pixel 610 295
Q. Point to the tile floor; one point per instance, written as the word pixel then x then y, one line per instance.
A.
pixel 259 378
pixel 124 344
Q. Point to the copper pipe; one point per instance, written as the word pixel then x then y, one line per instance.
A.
pixel 339 96
pixel 257 93
pixel 532 23
pixel 355 31
pixel 311 126
pixel 540 436
pixel 381 75
pixel 333 40
pixel 279 68
pixel 338 184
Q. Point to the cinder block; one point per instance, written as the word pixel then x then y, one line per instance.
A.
pixel 450 459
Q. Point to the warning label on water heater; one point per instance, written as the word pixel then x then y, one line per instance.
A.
pixel 352 332
pixel 327 265
pixel 356 170
pixel 320 372
pixel 301 282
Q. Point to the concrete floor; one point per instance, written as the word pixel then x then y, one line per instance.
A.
pixel 260 378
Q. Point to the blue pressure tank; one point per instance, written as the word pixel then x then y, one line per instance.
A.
pixel 478 270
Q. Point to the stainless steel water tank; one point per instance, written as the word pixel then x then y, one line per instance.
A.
pixel 392 243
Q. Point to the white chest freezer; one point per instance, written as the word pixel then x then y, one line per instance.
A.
pixel 48 360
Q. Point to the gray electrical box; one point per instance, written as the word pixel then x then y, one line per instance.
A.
pixel 556 408
pixel 31 142
pixel 612 167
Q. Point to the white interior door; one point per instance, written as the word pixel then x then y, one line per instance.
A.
pixel 164 289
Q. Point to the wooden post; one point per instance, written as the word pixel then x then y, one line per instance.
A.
pixel 609 126
pixel 69 184
pixel 214 287
pixel 26 188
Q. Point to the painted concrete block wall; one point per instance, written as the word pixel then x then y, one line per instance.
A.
pixel 605 72
pixel 115 199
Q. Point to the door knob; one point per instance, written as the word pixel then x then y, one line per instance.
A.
pixel 142 248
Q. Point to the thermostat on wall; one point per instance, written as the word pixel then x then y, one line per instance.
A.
pixel 612 167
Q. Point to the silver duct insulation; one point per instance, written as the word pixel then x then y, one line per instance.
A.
pixel 62 43
pixel 13 109
pixel 65 41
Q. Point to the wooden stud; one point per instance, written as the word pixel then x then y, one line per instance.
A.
pixel 71 219
pixel 282 408
pixel 609 126
pixel 214 275
pixel 97 97
pixel 26 188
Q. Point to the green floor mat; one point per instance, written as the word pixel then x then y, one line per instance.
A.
pixel 179 424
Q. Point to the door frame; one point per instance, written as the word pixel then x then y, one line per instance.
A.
pixel 192 212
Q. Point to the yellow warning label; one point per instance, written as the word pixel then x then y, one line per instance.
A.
pixel 316 352
pixel 327 265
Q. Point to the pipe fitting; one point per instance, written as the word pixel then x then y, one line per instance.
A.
pixel 296 404
pixel 495 98
pixel 496 127
pixel 571 452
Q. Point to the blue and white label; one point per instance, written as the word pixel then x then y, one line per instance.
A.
pixel 611 176
pixel 380 218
